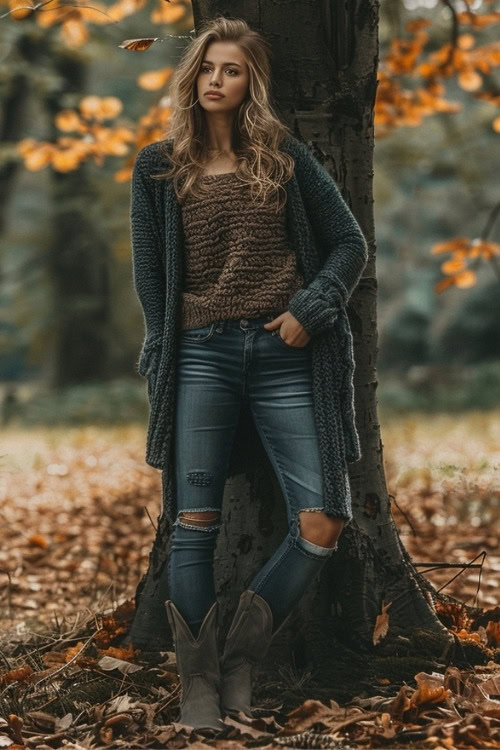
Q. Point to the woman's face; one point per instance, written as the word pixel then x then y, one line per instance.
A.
pixel 224 70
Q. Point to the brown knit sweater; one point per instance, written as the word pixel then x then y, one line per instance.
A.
pixel 237 257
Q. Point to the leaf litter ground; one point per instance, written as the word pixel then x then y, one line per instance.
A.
pixel 76 509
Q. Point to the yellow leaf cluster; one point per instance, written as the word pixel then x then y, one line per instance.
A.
pixel 73 20
pixel 172 13
pixel 396 106
pixel 463 250
pixel 93 140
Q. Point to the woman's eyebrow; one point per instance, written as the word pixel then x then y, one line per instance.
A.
pixel 226 63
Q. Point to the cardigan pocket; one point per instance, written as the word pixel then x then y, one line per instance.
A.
pixel 146 359
pixel 151 370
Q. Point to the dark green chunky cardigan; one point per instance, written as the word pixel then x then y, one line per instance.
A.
pixel 331 254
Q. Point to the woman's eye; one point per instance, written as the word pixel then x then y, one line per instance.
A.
pixel 203 70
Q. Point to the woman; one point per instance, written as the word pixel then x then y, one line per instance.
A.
pixel 245 255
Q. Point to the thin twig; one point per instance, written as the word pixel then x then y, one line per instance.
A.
pixel 436 565
pixel 463 568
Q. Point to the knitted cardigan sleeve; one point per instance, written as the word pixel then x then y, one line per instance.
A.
pixel 317 306
pixel 148 273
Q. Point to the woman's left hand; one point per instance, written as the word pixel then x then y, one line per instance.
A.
pixel 292 332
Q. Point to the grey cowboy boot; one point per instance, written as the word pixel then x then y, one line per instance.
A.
pixel 247 643
pixel 198 667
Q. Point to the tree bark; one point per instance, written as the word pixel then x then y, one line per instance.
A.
pixel 325 80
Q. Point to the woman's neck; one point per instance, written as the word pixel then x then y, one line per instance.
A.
pixel 220 163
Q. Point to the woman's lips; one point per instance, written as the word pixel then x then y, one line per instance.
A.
pixel 211 95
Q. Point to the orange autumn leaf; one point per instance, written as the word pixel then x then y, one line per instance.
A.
pixel 417 24
pixel 123 175
pixel 452 266
pixel 115 143
pixel 74 32
pixel 465 279
pixel 96 13
pixel 139 44
pixel 469 80
pixel 36 156
pixel 168 13
pixel 20 9
pixel 466 635
pixel 15 675
pixel 485 248
pixel 444 284
pixel 476 20
pixel 123 8
pixel 73 651
pixel 37 540
pixel 66 160
pixel 153 80
pixel 53 658
pixel 466 41
pixel 493 633
pixel 100 108
pixel 68 120
pixel 457 243
pixel 51 17
pixel 428 693
pixel 381 624
pixel 453 614
pixel 127 654
pixel 110 107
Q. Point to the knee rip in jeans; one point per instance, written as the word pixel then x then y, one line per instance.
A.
pixel 298 528
pixel 199 520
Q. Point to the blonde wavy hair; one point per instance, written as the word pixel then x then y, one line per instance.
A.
pixel 257 131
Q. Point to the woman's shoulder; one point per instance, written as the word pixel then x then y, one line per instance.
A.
pixel 155 154
pixel 293 146
pixel 306 163
pixel 308 169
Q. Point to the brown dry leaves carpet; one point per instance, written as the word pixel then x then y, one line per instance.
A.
pixel 77 508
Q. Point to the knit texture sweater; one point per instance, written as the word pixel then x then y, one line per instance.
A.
pixel 331 254
pixel 238 261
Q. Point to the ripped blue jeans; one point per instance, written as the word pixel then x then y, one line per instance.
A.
pixel 218 366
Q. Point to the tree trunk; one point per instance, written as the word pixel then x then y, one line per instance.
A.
pixel 327 97
pixel 78 257
pixel 11 122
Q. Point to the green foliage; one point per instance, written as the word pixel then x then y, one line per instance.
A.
pixel 439 388
pixel 116 402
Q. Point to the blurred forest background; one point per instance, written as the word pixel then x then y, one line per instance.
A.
pixel 70 323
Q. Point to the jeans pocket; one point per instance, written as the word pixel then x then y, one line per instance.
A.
pixel 198 335
pixel 291 346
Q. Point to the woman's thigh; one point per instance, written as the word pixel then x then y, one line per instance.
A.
pixel 281 400
pixel 207 410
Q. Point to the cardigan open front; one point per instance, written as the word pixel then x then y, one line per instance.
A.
pixel 331 254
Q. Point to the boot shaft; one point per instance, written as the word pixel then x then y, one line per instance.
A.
pixel 198 668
